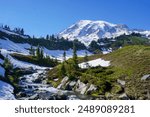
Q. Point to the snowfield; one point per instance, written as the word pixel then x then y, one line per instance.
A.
pixel 94 63
pixel 59 53
pixel 19 64
pixel 12 47
pixel 9 47
pixel 6 91
pixel 87 30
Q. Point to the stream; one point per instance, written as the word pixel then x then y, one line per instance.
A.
pixel 34 87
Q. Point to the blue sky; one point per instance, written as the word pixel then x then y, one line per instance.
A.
pixel 41 17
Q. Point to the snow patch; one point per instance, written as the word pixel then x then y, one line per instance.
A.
pixel 6 91
pixel 59 53
pixel 94 63
pixel 12 47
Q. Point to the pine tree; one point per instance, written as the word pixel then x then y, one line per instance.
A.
pixel 38 53
pixel 64 56
pixel 22 31
pixel 75 57
pixel 86 59
pixel 7 64
pixel 41 54
pixel 47 37
pixel 31 51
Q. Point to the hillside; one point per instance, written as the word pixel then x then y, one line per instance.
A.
pixel 132 63
pixel 124 77
pixel 55 68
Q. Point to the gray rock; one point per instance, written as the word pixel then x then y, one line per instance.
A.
pixel 70 85
pixel 34 97
pixel 121 82
pixel 91 88
pixel 81 87
pixel 37 80
pixel 44 82
pixel 124 97
pixel 63 82
pixel 21 94
pixel 29 70
pixel 109 95
pixel 145 77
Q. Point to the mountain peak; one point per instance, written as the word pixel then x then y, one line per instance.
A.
pixel 89 30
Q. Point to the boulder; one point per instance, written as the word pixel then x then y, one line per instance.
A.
pixel 91 88
pixel 109 95
pixel 21 94
pixel 145 77
pixel 124 97
pixel 63 83
pixel 70 85
pixel 37 80
pixel 34 97
pixel 121 82
pixel 81 87
pixel 29 70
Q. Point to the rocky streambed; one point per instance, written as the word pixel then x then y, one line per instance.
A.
pixel 34 87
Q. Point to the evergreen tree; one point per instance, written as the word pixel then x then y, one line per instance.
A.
pixel 41 54
pixel 38 53
pixel 31 51
pixel 7 64
pixel 47 37
pixel 75 57
pixel 86 59
pixel 64 56
pixel 22 31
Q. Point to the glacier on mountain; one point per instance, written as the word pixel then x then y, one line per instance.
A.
pixel 88 30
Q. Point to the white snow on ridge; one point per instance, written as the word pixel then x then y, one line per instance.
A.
pixel 6 91
pixel 14 47
pixel 88 30
pixel 59 53
pixel 94 63
pixel 19 64
pixel 9 47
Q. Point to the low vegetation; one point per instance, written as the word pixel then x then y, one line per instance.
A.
pixel 129 64
pixel 37 57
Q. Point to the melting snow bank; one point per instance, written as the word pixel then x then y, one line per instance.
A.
pixel 94 63
pixel 6 91
pixel 69 53
pixel 19 64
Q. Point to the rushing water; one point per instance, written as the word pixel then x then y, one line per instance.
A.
pixel 34 87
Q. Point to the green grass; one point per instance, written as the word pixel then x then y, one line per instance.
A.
pixel 129 63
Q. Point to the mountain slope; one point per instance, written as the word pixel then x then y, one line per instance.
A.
pixel 87 31
pixel 131 65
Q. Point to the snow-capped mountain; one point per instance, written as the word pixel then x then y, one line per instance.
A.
pixel 87 30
